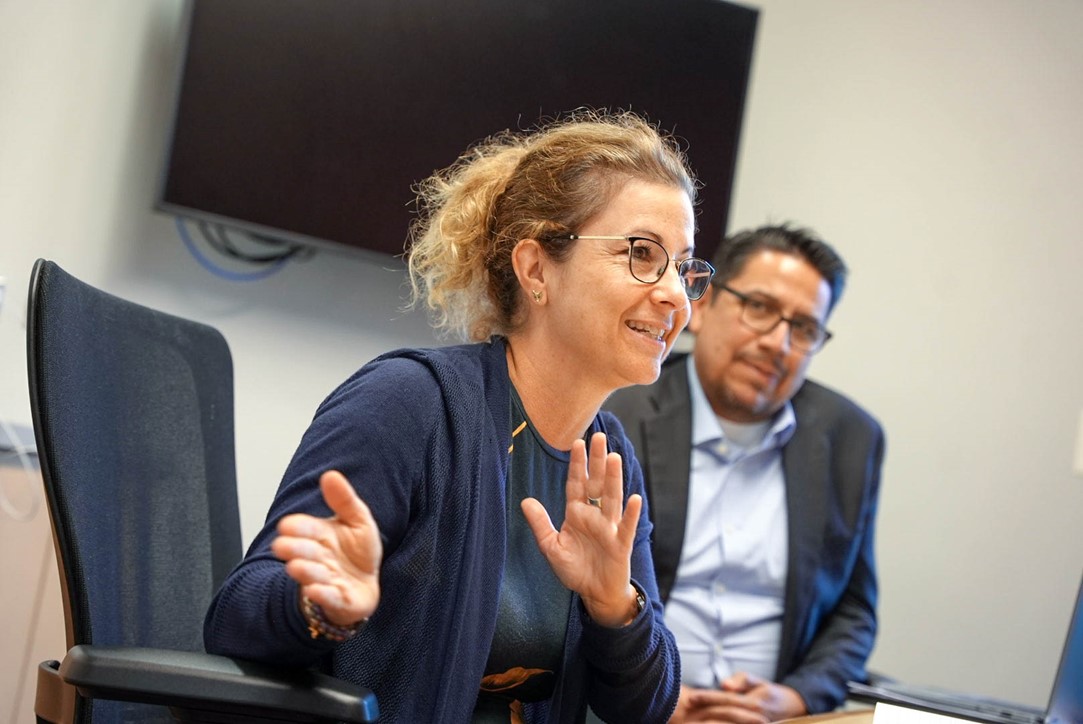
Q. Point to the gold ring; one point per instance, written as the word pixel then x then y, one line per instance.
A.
pixel 596 502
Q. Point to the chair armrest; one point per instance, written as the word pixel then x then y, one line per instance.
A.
pixel 198 686
pixel 54 700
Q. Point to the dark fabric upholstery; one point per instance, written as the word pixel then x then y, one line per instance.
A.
pixel 134 417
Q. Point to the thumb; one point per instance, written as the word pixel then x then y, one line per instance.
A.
pixel 343 500
pixel 537 517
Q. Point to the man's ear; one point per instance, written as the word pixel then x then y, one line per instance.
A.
pixel 528 260
pixel 699 308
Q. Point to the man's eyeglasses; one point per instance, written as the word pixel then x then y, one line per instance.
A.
pixel 648 261
pixel 763 315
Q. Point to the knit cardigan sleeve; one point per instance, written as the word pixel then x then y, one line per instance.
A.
pixel 422 435
pixel 370 428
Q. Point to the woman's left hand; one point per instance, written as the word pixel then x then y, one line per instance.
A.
pixel 592 552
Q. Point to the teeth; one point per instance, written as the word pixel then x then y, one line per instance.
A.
pixel 658 334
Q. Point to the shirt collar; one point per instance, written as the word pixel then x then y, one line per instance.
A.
pixel 705 426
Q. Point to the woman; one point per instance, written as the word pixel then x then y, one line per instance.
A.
pixel 495 571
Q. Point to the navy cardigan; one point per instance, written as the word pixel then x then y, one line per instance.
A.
pixel 423 435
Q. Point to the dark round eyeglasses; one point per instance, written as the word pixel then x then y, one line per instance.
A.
pixel 648 261
pixel 763 315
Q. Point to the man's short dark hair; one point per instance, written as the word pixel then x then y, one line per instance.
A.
pixel 735 250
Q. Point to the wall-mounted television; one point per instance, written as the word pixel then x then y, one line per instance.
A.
pixel 311 120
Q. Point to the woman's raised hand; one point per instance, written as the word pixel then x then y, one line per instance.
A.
pixel 336 560
pixel 592 552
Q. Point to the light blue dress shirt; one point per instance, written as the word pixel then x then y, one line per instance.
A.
pixel 725 609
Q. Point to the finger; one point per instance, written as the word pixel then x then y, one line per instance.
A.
pixel 626 529
pixel 308 572
pixel 576 489
pixel 596 466
pixel 738 715
pixel 614 485
pixel 726 706
pixel 302 525
pixel 719 706
pixel 343 500
pixel 726 716
pixel 715 700
pixel 741 682
pixel 288 548
pixel 540 523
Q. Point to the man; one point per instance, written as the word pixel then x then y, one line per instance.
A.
pixel 763 489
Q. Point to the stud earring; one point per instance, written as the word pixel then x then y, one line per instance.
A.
pixel 537 296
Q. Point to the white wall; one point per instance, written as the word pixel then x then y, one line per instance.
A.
pixel 86 91
pixel 935 144
pixel 938 145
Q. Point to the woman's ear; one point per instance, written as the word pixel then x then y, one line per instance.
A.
pixel 529 262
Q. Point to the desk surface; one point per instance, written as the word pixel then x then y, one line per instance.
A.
pixel 854 716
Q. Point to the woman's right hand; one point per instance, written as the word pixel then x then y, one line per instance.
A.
pixel 336 560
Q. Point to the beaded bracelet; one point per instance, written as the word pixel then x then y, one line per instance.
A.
pixel 318 625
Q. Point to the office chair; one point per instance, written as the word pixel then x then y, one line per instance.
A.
pixel 133 417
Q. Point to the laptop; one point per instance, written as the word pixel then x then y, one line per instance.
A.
pixel 1065 701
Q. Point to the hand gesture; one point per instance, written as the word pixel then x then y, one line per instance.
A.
pixel 592 552
pixel 336 560
pixel 741 699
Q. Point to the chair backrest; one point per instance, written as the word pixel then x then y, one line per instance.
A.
pixel 133 415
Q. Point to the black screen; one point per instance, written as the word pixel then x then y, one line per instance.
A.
pixel 312 120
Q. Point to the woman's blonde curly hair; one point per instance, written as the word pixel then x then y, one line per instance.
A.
pixel 535 185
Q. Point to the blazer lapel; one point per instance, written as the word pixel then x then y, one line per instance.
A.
pixel 667 474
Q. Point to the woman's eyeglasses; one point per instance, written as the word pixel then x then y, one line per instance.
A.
pixel 648 261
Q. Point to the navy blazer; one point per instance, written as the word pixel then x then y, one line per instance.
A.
pixel 832 471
